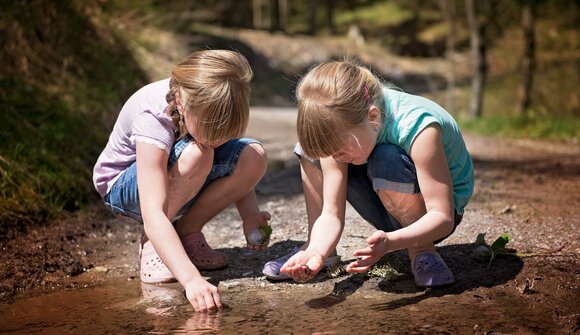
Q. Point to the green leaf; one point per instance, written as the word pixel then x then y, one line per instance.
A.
pixel 480 239
pixel 267 230
pixel 501 242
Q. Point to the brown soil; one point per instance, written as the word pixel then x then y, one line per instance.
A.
pixel 527 188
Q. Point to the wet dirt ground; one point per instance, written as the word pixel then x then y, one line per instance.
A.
pixel 79 274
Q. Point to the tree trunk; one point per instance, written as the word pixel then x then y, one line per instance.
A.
pixel 274 15
pixel 529 58
pixel 449 11
pixel 330 16
pixel 257 14
pixel 479 70
pixel 312 26
pixel 283 12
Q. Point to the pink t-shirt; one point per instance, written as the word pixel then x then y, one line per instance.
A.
pixel 143 118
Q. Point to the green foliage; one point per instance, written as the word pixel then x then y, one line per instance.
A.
pixel 379 14
pixel 61 71
pixel 385 270
pixel 267 230
pixel 46 157
pixel 487 253
pixel 543 126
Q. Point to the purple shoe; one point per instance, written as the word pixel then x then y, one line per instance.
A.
pixel 272 269
pixel 430 270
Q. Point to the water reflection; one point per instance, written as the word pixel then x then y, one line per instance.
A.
pixel 201 323
pixel 167 301
pixel 133 308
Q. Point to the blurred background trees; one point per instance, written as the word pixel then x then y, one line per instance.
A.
pixel 505 67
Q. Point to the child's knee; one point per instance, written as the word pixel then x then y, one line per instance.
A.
pixel 254 159
pixel 390 168
pixel 391 157
pixel 195 161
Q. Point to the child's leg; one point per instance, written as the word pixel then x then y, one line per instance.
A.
pixel 406 209
pixel 394 177
pixel 226 190
pixel 312 186
pixel 187 176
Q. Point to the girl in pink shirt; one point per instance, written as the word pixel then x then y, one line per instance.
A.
pixel 174 161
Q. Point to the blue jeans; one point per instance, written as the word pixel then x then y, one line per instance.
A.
pixel 388 168
pixel 123 198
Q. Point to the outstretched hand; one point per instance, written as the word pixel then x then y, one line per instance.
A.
pixel 203 296
pixel 377 247
pixel 303 266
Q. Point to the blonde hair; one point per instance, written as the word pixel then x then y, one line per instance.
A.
pixel 214 85
pixel 333 98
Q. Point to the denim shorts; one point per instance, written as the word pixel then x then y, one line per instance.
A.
pixel 123 198
pixel 388 168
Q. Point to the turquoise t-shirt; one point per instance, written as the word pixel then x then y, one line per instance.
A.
pixel 407 115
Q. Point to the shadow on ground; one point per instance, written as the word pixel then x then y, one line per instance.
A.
pixel 469 275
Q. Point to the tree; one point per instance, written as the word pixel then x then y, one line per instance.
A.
pixel 448 7
pixel 313 5
pixel 478 55
pixel 275 15
pixel 257 14
pixel 283 14
pixel 330 16
pixel 529 56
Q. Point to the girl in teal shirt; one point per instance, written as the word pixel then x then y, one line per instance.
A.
pixel 399 160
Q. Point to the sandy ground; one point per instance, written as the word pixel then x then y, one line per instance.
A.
pixel 526 188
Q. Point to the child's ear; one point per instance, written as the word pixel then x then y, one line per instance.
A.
pixel 374 114
pixel 178 102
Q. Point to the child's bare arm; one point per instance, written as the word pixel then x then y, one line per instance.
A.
pixel 435 184
pixel 327 228
pixel 153 185
pixel 437 191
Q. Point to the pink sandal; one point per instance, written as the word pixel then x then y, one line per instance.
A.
pixel 201 254
pixel 153 270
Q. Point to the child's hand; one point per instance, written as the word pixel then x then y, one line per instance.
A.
pixel 378 246
pixel 202 295
pixel 303 266
pixel 257 231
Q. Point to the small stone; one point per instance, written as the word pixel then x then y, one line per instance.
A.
pixel 231 284
pixel 256 236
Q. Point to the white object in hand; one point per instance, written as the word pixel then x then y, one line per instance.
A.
pixel 256 236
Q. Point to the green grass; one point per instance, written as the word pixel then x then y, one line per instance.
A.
pixel 57 110
pixel 377 15
pixel 534 126
pixel 47 152
pixel 554 113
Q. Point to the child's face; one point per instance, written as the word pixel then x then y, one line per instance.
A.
pixel 359 144
pixel 191 125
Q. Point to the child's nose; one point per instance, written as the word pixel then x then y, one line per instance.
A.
pixel 340 157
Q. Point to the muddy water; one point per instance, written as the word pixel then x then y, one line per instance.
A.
pixel 129 308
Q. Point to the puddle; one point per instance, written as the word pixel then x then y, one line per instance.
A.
pixel 128 308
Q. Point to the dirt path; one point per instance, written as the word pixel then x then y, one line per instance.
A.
pixel 526 188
